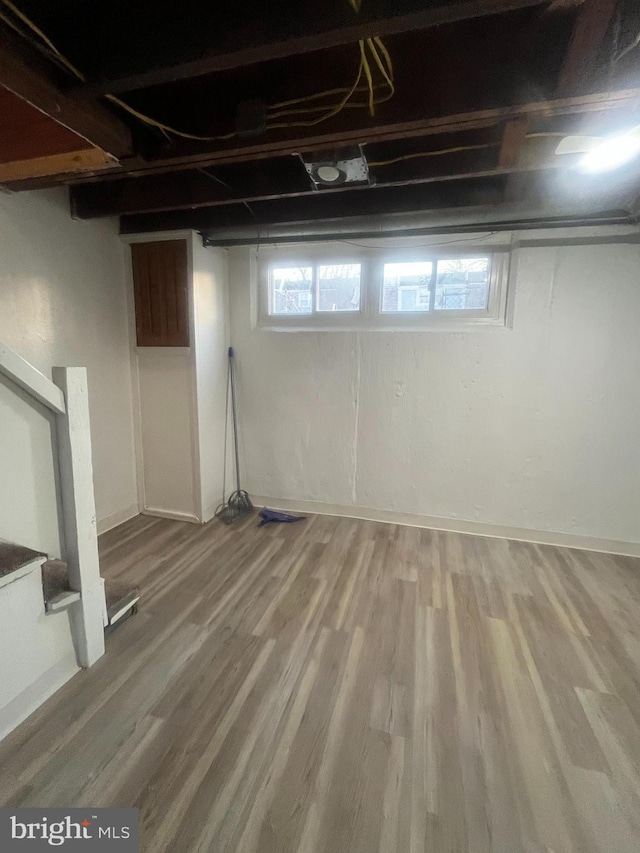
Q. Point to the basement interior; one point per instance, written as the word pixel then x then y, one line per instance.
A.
pixel 319 357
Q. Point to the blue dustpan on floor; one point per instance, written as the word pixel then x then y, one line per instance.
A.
pixel 270 516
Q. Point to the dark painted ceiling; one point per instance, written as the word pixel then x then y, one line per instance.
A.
pixel 482 92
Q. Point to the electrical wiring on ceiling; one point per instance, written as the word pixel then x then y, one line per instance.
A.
pixel 440 151
pixel 384 64
pixel 382 61
pixel 375 46
pixel 437 153
pixel 59 57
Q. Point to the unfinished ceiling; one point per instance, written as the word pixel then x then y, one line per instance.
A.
pixel 203 115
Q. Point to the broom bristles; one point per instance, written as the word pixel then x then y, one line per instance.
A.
pixel 239 504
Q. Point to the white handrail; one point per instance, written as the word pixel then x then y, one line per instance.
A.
pixel 31 380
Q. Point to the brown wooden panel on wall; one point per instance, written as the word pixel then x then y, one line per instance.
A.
pixel 160 290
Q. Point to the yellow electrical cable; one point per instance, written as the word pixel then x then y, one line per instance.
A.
pixel 433 153
pixel 165 128
pixel 543 135
pixel 13 26
pixel 152 122
pixel 383 70
pixel 374 43
pixel 306 110
pixel 343 105
pixel 456 149
pixel 334 111
pixel 386 55
pixel 367 72
pixel 141 116
pixel 315 97
pixel 45 38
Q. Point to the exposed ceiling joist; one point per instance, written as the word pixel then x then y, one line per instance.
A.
pixel 513 140
pixel 331 24
pixel 267 148
pixel 482 191
pixel 589 31
pixel 279 178
pixel 31 80
pixel 72 161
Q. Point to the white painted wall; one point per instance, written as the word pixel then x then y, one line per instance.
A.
pixel 180 394
pixel 169 451
pixel 63 302
pixel 533 427
pixel 211 315
pixel 37 651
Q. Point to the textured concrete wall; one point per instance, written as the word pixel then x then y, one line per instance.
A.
pixel 531 427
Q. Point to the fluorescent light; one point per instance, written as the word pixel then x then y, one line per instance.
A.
pixel 611 153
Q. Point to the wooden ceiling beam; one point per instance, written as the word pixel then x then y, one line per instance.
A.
pixel 377 200
pixel 72 161
pixel 267 147
pixel 29 78
pixel 592 23
pixel 331 24
pixel 278 179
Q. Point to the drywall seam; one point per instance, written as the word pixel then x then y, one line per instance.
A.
pixel 450 525
pixel 356 423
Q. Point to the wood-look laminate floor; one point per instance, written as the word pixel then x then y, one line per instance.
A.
pixel 341 685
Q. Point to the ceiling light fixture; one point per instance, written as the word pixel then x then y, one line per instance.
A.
pixel 335 167
pixel 611 153
pixel 328 174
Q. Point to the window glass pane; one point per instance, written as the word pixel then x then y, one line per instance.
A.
pixel 339 287
pixel 405 286
pixel 462 283
pixel 290 290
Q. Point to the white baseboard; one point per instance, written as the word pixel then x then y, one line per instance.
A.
pixel 19 708
pixel 455 525
pixel 117 518
pixel 169 513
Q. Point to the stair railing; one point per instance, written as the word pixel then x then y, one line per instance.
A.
pixel 67 397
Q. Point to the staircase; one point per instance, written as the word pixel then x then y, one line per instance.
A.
pixel 53 621
pixel 39 612
pixel 121 598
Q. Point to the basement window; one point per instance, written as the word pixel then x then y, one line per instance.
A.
pixel 378 289
pixel 314 288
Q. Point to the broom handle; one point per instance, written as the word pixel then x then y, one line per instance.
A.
pixel 235 416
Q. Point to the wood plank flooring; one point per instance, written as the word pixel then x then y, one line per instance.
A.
pixel 340 685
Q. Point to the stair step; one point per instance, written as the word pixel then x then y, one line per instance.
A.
pixel 14 557
pixel 55 579
pixel 62 601
pixel 122 600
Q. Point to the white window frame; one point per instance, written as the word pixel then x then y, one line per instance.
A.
pixel 370 316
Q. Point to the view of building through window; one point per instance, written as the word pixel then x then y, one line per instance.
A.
pixel 429 286
pixel 339 287
pixel 292 289
pixel 406 286
pixel 460 283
